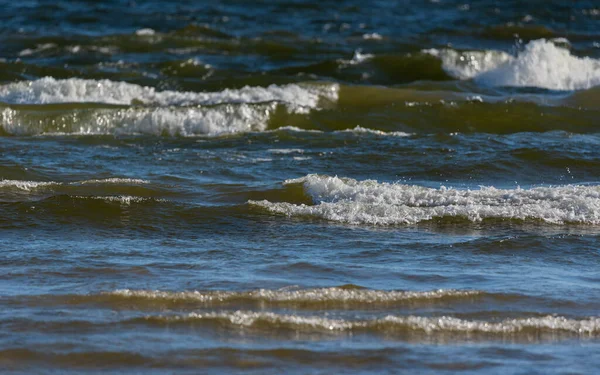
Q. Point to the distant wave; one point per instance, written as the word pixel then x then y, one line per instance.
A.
pixel 370 202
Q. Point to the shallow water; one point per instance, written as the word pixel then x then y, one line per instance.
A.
pixel 299 187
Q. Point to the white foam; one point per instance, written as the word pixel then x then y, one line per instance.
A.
pixel 369 202
pixel 286 151
pixel 122 199
pixel 357 58
pixel 145 32
pixel 25 185
pixel 557 324
pixel 182 121
pixel 306 295
pixel 74 90
pixel 372 36
pixel 540 64
pixel 356 130
pixel 31 185
pixel 114 180
pixel 359 129
pixel 389 324
pixel 296 129
pixel 469 64
pixel 38 48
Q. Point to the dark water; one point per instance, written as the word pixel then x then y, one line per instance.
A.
pixel 300 187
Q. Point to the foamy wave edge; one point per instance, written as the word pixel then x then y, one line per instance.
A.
pixel 393 323
pixel 150 111
pixel 31 185
pixel 76 90
pixel 370 202
pixel 324 295
pixel 541 63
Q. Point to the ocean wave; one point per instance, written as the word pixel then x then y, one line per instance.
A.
pixel 369 202
pixel 122 190
pixel 29 185
pixel 122 199
pixel 177 113
pixel 75 90
pixel 392 324
pixel 115 180
pixel 360 130
pixel 540 64
pixel 173 121
pixel 357 130
pixel 321 296
pixel 25 185
pixel 220 120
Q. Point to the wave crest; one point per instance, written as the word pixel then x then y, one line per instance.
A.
pixel 393 324
pixel 369 202
pixel 540 64
pixel 322 295
pixel 75 90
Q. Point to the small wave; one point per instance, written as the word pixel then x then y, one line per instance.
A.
pixel 74 90
pixel 30 185
pixel 356 130
pixel 392 324
pixel 314 296
pixel 359 129
pixel 121 190
pixel 25 185
pixel 122 199
pixel 540 64
pixel 114 180
pixel 145 32
pixel 369 202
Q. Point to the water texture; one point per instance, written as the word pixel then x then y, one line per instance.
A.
pixel 300 187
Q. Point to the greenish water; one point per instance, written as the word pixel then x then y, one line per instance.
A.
pixel 299 187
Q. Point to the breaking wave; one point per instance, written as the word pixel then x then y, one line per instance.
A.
pixel 74 90
pixel 370 202
pixel 46 106
pixel 180 121
pixel 540 64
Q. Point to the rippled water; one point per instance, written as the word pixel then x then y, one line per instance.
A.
pixel 299 187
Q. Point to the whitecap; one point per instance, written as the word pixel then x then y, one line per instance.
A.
pixel 75 90
pixel 370 202
pixel 540 64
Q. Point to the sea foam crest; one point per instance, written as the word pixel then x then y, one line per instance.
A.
pixel 30 185
pixel 369 202
pixel 402 324
pixel 75 90
pixel 181 121
pixel 25 185
pixel 321 295
pixel 540 64
pixel 177 113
